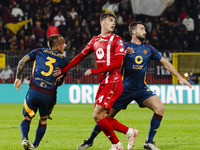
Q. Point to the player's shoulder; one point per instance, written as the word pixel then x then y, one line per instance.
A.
pixel 95 38
pixel 48 52
pixel 149 46
pixel 127 43
pixel 117 37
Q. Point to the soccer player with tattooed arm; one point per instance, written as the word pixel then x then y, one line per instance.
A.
pixel 109 53
pixel 43 86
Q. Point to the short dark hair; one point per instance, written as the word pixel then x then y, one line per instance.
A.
pixel 53 40
pixel 107 14
pixel 133 25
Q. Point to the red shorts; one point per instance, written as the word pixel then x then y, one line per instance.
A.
pixel 108 93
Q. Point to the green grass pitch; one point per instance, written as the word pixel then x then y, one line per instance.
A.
pixel 72 123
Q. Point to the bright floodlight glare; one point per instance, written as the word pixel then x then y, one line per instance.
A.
pixel 186 75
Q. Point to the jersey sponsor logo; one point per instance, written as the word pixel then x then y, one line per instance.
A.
pixel 99 53
pixel 138 59
pixel 101 39
pixel 138 67
pixel 145 51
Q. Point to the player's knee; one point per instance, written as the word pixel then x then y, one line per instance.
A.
pixel 43 121
pixel 97 117
pixel 160 110
pixel 27 118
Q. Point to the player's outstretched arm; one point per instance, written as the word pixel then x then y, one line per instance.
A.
pixel 20 68
pixel 73 63
pixel 171 69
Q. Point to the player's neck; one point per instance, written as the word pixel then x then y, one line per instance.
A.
pixel 105 33
pixel 54 50
pixel 136 41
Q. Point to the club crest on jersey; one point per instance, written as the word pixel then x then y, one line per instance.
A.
pixel 99 53
pixel 101 39
pixel 120 41
pixel 145 51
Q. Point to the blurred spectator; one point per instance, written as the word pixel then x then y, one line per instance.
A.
pixel 58 19
pixel 3 44
pixel 26 80
pixel 52 29
pixel 185 46
pixel 13 44
pixel 69 20
pixel 193 78
pixel 189 23
pixel 182 13
pixel 120 20
pixel 76 74
pixel 195 44
pixel 16 11
pixel 39 33
pixel 21 46
pixel 6 75
pixel 62 29
pixel 29 43
pixel 73 13
pixel 176 46
pixel 148 25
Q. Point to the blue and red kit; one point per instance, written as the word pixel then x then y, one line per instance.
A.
pixel 42 92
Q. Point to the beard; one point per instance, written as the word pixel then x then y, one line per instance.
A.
pixel 141 38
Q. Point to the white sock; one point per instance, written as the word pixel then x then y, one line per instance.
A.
pixel 129 132
pixel 117 145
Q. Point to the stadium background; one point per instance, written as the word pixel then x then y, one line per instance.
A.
pixel 166 32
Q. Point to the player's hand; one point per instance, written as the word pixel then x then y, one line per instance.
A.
pixel 88 72
pixel 57 72
pixel 18 83
pixel 183 81
pixel 129 50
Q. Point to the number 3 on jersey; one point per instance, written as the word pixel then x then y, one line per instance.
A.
pixel 49 63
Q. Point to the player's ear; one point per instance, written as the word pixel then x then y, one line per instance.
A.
pixel 133 32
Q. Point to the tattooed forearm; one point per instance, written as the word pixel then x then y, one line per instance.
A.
pixel 21 65
pixel 20 68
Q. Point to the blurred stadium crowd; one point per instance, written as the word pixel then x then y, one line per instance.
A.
pixel 176 30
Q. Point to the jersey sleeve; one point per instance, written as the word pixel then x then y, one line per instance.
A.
pixel 155 54
pixel 126 44
pixel 88 49
pixel 33 54
pixel 119 46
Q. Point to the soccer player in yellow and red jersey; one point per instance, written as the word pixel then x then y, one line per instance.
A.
pixel 109 53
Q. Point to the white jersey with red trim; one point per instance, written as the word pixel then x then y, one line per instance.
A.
pixel 106 48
